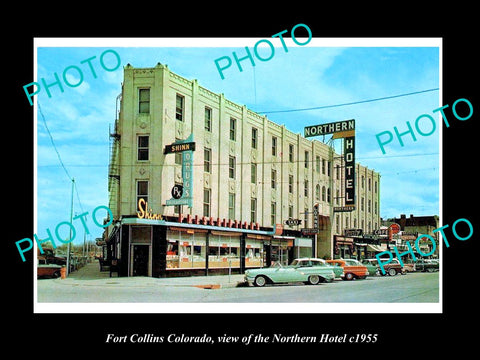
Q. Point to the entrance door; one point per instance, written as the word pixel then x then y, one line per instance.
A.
pixel 140 260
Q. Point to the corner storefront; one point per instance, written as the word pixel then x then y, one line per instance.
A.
pixel 168 248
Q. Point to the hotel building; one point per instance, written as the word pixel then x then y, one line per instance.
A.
pixel 247 175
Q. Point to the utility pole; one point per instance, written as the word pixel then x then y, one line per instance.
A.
pixel 71 220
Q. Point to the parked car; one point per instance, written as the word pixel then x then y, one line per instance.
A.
pixel 427 265
pixel 48 270
pixel 371 265
pixel 306 270
pixel 352 268
pixel 338 270
pixel 392 268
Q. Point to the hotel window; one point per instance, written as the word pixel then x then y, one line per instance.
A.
pixel 317 192
pixel 362 204
pixel 375 208
pixel 231 167
pixel 208 119
pixel 274 146
pixel 305 190
pixel 290 184
pixel 375 187
pixel 233 130
pixel 290 211
pixel 305 217
pixel 328 196
pixel 369 206
pixel 317 164
pixel 253 173
pixel 207 156
pixel 254 138
pixel 274 179
pixel 290 153
pixel 337 172
pixel 142 190
pixel 306 159
pixel 142 147
pixel 253 210
pixel 323 193
pixel 369 184
pixel 323 166
pixel 363 182
pixel 179 107
pixel 231 205
pixel 337 224
pixel 337 197
pixel 273 217
pixel 144 101
pixel 329 165
pixel 206 202
pixel 178 155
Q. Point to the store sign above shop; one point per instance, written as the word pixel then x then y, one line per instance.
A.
pixel 352 232
pixel 145 213
pixel 186 147
pixel 293 222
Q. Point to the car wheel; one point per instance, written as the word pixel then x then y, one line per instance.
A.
pixel 430 270
pixel 392 272
pixel 348 276
pixel 313 279
pixel 260 281
pixel 56 274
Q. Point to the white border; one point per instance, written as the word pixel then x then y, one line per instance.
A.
pixel 179 307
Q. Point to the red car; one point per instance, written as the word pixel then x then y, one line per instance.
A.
pixel 352 268
pixel 48 270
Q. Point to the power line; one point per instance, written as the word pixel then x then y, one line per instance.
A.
pixel 53 142
pixel 350 103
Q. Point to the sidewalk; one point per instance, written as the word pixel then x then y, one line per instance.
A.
pixel 91 275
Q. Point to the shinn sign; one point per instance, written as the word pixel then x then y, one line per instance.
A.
pixel 183 194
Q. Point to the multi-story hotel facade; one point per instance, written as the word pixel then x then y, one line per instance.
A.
pixel 249 176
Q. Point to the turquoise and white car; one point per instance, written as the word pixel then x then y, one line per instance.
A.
pixel 307 270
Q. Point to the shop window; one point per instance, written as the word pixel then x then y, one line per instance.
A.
pixel 185 251
pixel 223 251
pixel 253 253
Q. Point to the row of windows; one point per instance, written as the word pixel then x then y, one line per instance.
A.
pixel 143 154
pixel 144 107
pixel 142 192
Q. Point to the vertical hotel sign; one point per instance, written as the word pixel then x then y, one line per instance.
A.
pixel 341 129
pixel 186 147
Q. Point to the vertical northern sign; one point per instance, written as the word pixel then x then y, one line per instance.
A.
pixel 341 129
pixel 349 157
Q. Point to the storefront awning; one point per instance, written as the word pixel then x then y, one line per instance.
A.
pixel 377 248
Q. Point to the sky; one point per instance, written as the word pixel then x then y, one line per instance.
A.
pixel 322 73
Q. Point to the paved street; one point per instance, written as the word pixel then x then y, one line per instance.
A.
pixel 80 287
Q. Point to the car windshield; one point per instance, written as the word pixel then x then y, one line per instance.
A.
pixel 276 264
